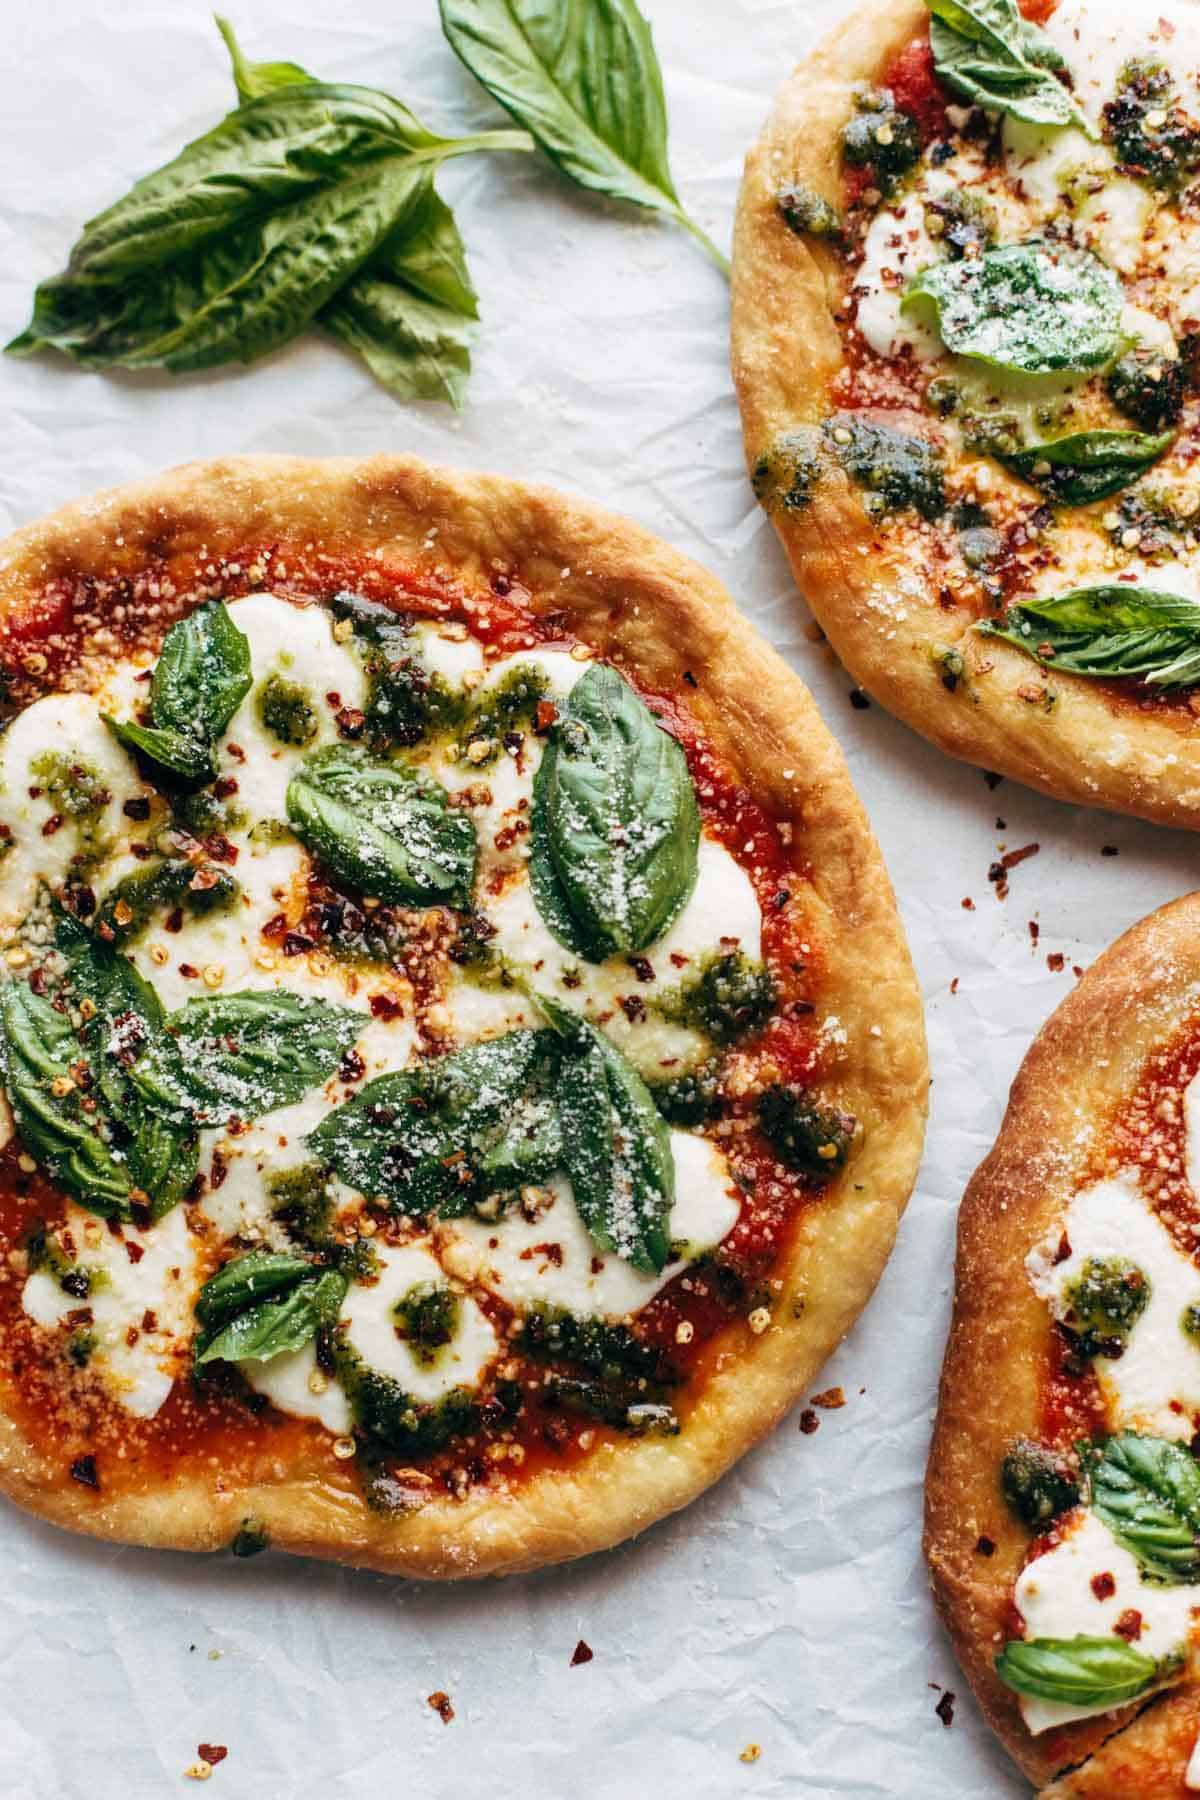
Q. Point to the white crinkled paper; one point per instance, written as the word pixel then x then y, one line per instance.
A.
pixel 788 1607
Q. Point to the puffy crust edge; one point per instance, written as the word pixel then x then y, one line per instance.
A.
pixel 633 598
pixel 1080 1067
pixel 786 349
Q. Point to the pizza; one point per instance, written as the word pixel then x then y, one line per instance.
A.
pixel 1063 1494
pixel 966 320
pixel 462 1066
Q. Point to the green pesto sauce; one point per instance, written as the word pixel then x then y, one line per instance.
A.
pixel 1150 134
pixel 690 1099
pixel 1038 1484
pixel 730 998
pixel 251 1538
pixel 804 1137
pixel 74 789
pixel 392 1418
pixel 499 711
pixel 286 710
pixel 301 1201
pixel 426 1317
pixel 880 136
pixel 199 888
pixel 1106 1299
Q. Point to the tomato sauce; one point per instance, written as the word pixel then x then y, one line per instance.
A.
pixel 224 1433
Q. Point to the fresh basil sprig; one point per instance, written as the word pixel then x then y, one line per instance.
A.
pixel 616 1147
pixel 989 55
pixel 1088 465
pixel 408 313
pixel 1147 1491
pixel 615 825
pixel 1078 1671
pixel 263 1305
pixel 1110 632
pixel 439 1137
pixel 236 1056
pixel 201 678
pixel 382 829
pixel 585 81
pixel 1009 308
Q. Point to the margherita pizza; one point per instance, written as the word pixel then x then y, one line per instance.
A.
pixel 1063 1517
pixel 965 336
pixel 463 1067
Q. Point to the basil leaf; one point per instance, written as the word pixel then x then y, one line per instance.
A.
pixel 246 1281
pixel 616 1147
pixel 263 1305
pixel 408 313
pixel 236 1056
pixel 1110 632
pixel 1088 465
pixel 989 55
pixel 1009 308
pixel 161 1155
pixel 585 81
pixel 615 825
pixel 202 674
pixel 253 80
pixel 200 679
pixel 439 1137
pixel 381 829
pixel 1147 1491
pixel 175 752
pixel 1078 1671
pixel 39 1050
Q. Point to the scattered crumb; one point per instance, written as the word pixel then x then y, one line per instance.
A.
pixel 999 871
pixel 441 1705
pixel 968 904
pixel 858 700
pixel 198 1771
pixel 582 1653
pixel 945 1708
pixel 954 985
pixel 993 781
pixel 1109 850
pixel 1001 825
pixel 1056 962
pixel 830 1399
pixel 809 1421
pixel 212 1753
pixel 751 1753
pixel 1035 931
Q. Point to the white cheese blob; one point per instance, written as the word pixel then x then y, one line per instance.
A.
pixel 67 725
pixel 1098 37
pixel 551 1258
pixel 148 1300
pixel 444 652
pixel 897 247
pixel 1055 1597
pixel 368 1316
pixel 1155 1385
pixel 294 1384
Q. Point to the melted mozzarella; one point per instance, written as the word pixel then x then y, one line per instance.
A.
pixel 1055 1597
pixel 368 1318
pixel 293 1383
pixel 1098 37
pixel 149 1301
pixel 70 724
pixel 297 644
pixel 1155 1385
pixel 897 248
pixel 447 654
pixel 552 1259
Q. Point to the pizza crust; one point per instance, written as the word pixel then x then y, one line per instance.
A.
pixel 1083 1063
pixel 631 598
pixel 880 615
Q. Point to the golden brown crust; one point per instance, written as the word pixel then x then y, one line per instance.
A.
pixel 880 614
pixel 1084 1061
pixel 633 598
pixel 1145 1761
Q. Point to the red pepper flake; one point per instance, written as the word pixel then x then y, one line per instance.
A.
pixel 1056 962
pixel 1062 1254
pixel 384 1007
pixel 441 1705
pixel 212 1753
pixel 945 1708
pixel 830 1399
pixel 133 1251
pixel 809 1421
pixel 1035 931
pixel 136 808
pixel 545 716
pixel 968 904
pixel 985 1546
pixel 296 944
pixel 1103 1586
pixel 83 1470
pixel 189 971
pixel 582 1653
pixel 1129 1625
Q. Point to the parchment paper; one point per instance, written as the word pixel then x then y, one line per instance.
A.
pixel 788 1607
